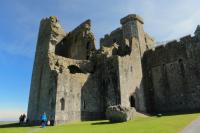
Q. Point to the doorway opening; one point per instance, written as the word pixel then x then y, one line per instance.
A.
pixel 132 101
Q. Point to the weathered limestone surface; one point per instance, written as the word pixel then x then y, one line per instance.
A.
pixel 78 44
pixel 171 76
pixel 43 79
pixel 71 80
pixel 119 113
pixel 130 68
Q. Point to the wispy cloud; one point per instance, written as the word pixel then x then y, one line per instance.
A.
pixel 10 114
pixel 165 20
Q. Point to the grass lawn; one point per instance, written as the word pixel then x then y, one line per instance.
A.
pixel 165 124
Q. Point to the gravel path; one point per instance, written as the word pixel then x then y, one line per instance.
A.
pixel 193 127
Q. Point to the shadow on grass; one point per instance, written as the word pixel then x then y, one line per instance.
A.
pixel 14 125
pixel 174 113
pixel 104 123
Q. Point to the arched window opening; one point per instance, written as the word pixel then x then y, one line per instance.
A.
pixel 62 102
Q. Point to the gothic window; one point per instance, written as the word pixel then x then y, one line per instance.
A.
pixel 62 102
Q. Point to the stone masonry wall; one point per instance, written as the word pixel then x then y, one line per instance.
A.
pixel 172 76
pixel 78 88
pixel 78 44
pixel 42 92
pixel 130 72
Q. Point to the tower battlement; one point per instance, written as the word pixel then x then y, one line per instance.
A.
pixel 131 17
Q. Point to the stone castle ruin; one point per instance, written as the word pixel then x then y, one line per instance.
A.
pixel 72 80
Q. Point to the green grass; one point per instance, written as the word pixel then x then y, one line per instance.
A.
pixel 165 124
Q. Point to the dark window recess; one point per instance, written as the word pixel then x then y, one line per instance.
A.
pixel 74 69
pixel 62 102
pixel 182 69
pixel 84 104
pixel 114 40
pixel 76 38
pixel 49 92
pixel 147 47
pixel 87 57
pixel 145 40
pixel 88 45
pixel 131 68
pixel 163 69
pixel 60 48
pixel 132 101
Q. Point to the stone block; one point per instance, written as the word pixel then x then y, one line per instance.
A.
pixel 119 113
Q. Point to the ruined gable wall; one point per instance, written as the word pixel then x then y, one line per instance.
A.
pixel 171 75
pixel 56 77
pixel 78 44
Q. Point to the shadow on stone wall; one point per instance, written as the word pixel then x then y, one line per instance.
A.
pixel 92 101
pixel 100 90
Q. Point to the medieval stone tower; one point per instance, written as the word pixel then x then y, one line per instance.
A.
pixel 72 80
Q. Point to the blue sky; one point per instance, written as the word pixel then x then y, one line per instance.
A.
pixel 19 23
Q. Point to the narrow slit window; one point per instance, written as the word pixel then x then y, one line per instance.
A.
pixel 182 69
pixel 62 102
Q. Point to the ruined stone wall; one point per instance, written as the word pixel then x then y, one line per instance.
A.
pixel 132 41
pixel 66 89
pixel 115 36
pixel 43 87
pixel 77 88
pixel 132 26
pixel 171 76
pixel 78 44
pixel 73 81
